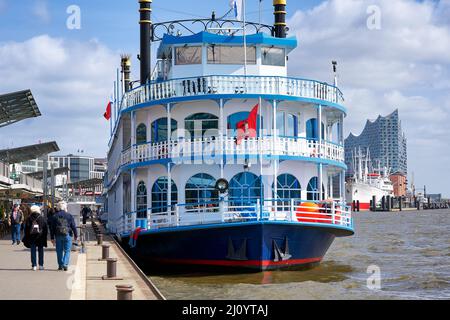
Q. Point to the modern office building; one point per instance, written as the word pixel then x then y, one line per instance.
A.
pixel 386 143
pixel 81 167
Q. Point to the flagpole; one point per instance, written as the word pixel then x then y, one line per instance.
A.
pixel 245 37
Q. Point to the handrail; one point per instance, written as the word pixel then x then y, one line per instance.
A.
pixel 230 84
pixel 331 212
pixel 184 149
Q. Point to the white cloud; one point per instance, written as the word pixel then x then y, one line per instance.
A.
pixel 71 82
pixel 405 65
pixel 40 10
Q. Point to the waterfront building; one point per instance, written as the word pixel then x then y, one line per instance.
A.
pixel 81 167
pixel 400 184
pixel 386 142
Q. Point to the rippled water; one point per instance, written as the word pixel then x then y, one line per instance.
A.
pixel 412 250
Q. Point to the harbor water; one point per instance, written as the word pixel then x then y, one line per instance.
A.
pixel 411 250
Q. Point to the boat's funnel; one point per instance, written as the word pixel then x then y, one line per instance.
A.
pixel 146 30
pixel 280 18
pixel 126 71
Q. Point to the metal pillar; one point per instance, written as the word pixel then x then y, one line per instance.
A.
pixel 44 184
pixel 274 137
pixel 52 183
pixel 221 136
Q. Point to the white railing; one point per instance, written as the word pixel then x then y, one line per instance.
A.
pixel 212 85
pixel 332 213
pixel 209 148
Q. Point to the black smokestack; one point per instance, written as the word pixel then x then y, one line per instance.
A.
pixel 146 30
pixel 126 71
pixel 280 18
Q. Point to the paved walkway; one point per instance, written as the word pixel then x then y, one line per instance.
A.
pixel 83 280
pixel 19 282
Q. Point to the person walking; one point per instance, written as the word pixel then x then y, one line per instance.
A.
pixel 86 213
pixel 62 229
pixel 15 222
pixel 35 236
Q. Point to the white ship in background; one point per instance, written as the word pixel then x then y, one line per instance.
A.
pixel 367 181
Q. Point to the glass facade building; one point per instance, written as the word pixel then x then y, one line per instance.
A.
pixel 386 143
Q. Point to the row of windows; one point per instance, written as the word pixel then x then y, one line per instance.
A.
pixel 233 55
pixel 198 125
pixel 245 188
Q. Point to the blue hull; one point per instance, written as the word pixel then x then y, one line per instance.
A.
pixel 255 246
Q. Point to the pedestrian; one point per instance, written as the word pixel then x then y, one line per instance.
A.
pixel 36 231
pixel 15 222
pixel 86 213
pixel 62 229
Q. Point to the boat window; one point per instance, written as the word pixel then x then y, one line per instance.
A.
pixel 288 187
pixel 312 191
pixel 231 54
pixel 201 188
pixel 287 124
pixel 159 130
pixel 188 55
pixel 200 124
pixel 311 129
pixel 160 192
pixel 141 200
pixel 272 56
pixel 141 134
pixel 245 189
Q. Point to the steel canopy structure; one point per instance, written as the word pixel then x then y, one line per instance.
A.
pixel 22 154
pixel 17 106
pixel 40 174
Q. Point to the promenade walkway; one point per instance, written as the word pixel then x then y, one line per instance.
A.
pixel 83 280
pixel 19 282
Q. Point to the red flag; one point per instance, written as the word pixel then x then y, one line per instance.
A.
pixel 107 114
pixel 248 128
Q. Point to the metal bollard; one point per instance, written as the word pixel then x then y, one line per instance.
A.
pixel 124 292
pixel 105 252
pixel 100 239
pixel 111 270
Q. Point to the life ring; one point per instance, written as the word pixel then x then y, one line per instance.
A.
pixel 308 212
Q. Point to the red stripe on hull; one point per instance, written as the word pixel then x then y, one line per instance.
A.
pixel 233 263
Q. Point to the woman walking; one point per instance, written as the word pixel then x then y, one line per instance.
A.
pixel 36 231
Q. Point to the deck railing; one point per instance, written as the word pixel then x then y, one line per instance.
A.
pixel 295 211
pixel 228 84
pixel 209 149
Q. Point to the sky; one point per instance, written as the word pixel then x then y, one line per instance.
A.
pixel 391 54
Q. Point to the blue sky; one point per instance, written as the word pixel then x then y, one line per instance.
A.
pixel 404 64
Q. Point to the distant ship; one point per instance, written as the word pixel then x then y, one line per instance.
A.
pixel 367 182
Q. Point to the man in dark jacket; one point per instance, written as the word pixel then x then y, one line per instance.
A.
pixel 16 220
pixel 86 213
pixel 62 229
pixel 36 236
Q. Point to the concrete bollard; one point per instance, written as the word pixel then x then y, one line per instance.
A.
pixel 124 292
pixel 100 239
pixel 111 270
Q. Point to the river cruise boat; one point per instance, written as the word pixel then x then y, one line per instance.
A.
pixel 218 158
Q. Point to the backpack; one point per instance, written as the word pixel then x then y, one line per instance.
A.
pixel 62 226
pixel 35 229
